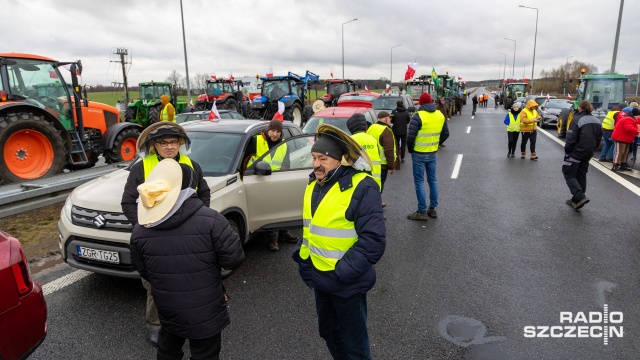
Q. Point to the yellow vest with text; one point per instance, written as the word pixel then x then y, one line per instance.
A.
pixel 328 235
pixel 150 162
pixel 609 122
pixel 262 147
pixel 428 138
pixel 376 130
pixel 370 146
pixel 514 123
pixel 164 114
pixel 532 115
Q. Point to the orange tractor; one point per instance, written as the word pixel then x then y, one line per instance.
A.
pixel 46 125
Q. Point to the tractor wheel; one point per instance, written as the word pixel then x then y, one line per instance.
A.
pixel 251 114
pixel 124 147
pixel 200 107
pixel 229 104
pixel 130 114
pixel 294 113
pixel 33 147
pixel 154 115
pixel 308 112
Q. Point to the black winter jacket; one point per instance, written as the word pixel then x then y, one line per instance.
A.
pixel 400 121
pixel 181 258
pixel 355 272
pixel 130 196
pixel 583 136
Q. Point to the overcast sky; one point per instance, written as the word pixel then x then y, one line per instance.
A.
pixel 248 36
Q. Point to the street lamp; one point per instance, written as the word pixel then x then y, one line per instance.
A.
pixel 533 65
pixel 513 64
pixel 499 67
pixel 391 79
pixel 504 76
pixel 186 66
pixel 524 67
pixel 615 44
pixel 343 44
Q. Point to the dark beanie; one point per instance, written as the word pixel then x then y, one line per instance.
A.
pixel 275 125
pixel 329 146
pixel 635 112
pixel 425 98
pixel 357 123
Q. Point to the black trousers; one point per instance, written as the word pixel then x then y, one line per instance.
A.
pixel 529 136
pixel 575 174
pixel 170 347
pixel 401 145
pixel 513 140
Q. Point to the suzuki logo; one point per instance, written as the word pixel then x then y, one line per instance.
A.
pixel 99 221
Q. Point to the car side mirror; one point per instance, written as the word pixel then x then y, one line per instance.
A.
pixel 412 109
pixel 541 107
pixel 263 168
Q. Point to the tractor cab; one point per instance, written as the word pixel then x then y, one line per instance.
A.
pixel 335 88
pixel 604 91
pixel 420 85
pixel 145 110
pixel 291 90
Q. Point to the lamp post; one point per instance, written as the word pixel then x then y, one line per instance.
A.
pixel 513 64
pixel 566 74
pixel 504 75
pixel 499 66
pixel 186 65
pixel 524 67
pixel 391 78
pixel 343 44
pixel 615 45
pixel 535 38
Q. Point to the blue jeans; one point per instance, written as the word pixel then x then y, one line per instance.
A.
pixel 607 149
pixel 422 163
pixel 343 325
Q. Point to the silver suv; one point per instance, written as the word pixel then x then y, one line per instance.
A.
pixel 94 233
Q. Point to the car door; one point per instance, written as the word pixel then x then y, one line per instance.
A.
pixel 275 200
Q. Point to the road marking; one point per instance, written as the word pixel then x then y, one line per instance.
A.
pixel 456 167
pixel 604 169
pixel 468 129
pixel 50 288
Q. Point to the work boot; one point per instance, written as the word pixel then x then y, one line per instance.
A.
pixel 431 212
pixel 273 245
pixel 287 235
pixel 384 204
pixel 570 203
pixel 153 337
pixel 581 203
pixel 534 156
pixel 418 216
pixel 625 167
pixel 523 155
pixel 616 168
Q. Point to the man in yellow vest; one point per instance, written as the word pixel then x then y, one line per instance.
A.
pixel 529 119
pixel 159 141
pixel 168 111
pixel 513 129
pixel 423 141
pixel 608 123
pixel 260 145
pixel 357 125
pixel 344 236
pixel 382 132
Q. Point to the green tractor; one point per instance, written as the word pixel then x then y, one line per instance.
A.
pixel 145 110
pixel 420 85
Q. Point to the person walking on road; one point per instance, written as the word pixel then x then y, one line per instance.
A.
pixel 512 120
pixel 357 125
pixel 179 245
pixel 623 136
pixel 423 140
pixel 381 131
pixel 486 99
pixel 474 101
pixel 608 125
pixel 400 118
pixel 583 137
pixel 344 237
pixel 168 111
pixel 159 141
pixel 529 119
pixel 495 98
pixel 442 107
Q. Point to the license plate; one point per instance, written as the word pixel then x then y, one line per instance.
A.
pixel 100 255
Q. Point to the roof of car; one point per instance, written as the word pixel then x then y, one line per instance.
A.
pixel 204 112
pixel 358 93
pixel 229 126
pixel 339 111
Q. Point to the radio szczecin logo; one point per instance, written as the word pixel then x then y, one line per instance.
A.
pixel 593 324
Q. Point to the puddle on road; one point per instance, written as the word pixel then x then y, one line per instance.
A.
pixel 470 334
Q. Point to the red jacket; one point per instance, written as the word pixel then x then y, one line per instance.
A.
pixel 626 129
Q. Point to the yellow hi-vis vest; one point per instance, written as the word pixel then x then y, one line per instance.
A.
pixel 514 123
pixel 370 146
pixel 531 115
pixel 376 130
pixel 609 122
pixel 150 162
pixel 328 235
pixel 164 114
pixel 262 147
pixel 428 138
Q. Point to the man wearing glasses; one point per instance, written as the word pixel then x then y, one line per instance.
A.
pixel 162 140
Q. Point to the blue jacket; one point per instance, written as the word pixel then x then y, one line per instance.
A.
pixel 416 124
pixel 355 272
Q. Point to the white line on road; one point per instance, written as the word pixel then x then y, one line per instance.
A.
pixel 605 170
pixel 50 288
pixel 456 167
pixel 468 129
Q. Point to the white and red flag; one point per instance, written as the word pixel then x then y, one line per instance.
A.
pixel 411 70
pixel 459 78
pixel 68 67
pixel 213 76
pixel 269 71
pixel 280 114
pixel 569 96
pixel 231 76
pixel 387 88
pixel 548 97
pixel 214 115
pixel 366 88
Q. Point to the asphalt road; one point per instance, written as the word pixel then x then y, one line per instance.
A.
pixel 505 252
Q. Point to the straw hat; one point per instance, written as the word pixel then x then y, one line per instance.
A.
pixel 160 191
pixel 159 130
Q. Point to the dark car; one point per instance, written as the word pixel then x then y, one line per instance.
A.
pixel 538 98
pixel 550 111
pixel 204 115
pixel 388 103
pixel 337 116
pixel 23 310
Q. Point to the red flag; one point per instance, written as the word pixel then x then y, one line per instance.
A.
pixel 270 71
pixel 230 76
pixel 213 76
pixel 332 73
pixel 411 70
pixel 459 78
pixel 280 114
pixel 387 88
pixel 214 115
pixel 569 96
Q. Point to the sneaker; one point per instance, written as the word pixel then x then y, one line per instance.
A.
pixel 616 168
pixel 472 117
pixel 418 216
pixel 570 203
pixel 523 155
pixel 581 203
pixel 508 154
pixel 273 246
pixel 513 155
pixel 443 145
pixel 534 156
pixel 431 212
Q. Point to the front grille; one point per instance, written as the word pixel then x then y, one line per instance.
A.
pixel 100 219
pixel 110 118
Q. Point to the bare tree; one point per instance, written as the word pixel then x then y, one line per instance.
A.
pixel 200 82
pixel 175 78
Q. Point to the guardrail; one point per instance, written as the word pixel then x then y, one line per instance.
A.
pixel 26 196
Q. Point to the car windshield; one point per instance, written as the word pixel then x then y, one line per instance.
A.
pixel 149 92
pixel 214 152
pixel 518 88
pixel 337 89
pixel 218 88
pixel 596 89
pixel 520 99
pixel 275 89
pixel 357 97
pixel 557 105
pixel 184 117
pixel 313 122
pixel 385 103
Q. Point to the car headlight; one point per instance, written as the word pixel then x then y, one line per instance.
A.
pixel 66 209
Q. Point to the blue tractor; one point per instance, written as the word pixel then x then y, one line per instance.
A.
pixel 291 90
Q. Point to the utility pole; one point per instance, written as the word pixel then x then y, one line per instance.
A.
pixel 123 52
pixel 615 45
pixel 186 64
